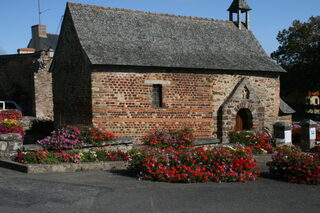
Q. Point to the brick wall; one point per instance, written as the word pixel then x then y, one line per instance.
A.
pixel 122 100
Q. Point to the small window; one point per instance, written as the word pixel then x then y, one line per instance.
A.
pixel 1 105
pixel 157 95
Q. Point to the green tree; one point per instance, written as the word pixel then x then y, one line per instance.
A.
pixel 299 55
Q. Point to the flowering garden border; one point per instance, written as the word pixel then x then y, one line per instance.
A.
pixel 294 166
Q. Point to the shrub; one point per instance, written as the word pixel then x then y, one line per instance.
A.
pixel 62 139
pixel 259 143
pixel 190 164
pixel 163 138
pixel 37 157
pixel 69 156
pixel 295 166
pixel 11 126
pixel 242 137
pixel 11 114
pixel 93 135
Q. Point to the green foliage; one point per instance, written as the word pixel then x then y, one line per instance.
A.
pixel 69 156
pixel 292 165
pixel 162 138
pixel 258 143
pixel 190 164
pixel 92 135
pixel 242 137
pixel 299 54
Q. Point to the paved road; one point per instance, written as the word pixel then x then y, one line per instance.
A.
pixel 101 191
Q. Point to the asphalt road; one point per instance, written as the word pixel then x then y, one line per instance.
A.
pixel 101 191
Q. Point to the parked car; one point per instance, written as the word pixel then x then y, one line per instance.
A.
pixel 5 105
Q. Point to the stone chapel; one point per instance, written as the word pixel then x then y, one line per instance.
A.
pixel 132 71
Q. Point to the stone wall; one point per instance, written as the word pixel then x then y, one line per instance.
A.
pixel 9 144
pixel 25 79
pixel 285 118
pixel 122 100
pixel 43 88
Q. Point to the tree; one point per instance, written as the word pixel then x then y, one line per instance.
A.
pixel 299 55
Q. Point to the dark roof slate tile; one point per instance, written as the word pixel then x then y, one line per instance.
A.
pixel 285 108
pixel 239 5
pixel 125 37
pixel 47 43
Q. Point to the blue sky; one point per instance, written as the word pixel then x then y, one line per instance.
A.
pixel 268 17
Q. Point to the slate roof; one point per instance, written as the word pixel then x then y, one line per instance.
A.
pixel 47 43
pixel 126 37
pixel 239 5
pixel 285 108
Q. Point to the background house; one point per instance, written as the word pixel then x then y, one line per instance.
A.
pixel 131 71
pixel 24 76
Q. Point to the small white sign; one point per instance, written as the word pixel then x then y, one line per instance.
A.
pixel 287 136
pixel 312 133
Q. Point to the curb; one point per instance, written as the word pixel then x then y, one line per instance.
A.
pixel 63 167
pixel 263 158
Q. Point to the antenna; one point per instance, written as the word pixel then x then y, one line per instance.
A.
pixel 61 19
pixel 40 12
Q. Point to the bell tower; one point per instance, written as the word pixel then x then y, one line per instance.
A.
pixel 239 7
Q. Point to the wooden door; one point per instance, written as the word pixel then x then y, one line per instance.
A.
pixel 239 123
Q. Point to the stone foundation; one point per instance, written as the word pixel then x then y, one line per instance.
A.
pixel 9 144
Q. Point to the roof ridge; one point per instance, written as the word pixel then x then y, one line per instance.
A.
pixel 53 34
pixel 146 12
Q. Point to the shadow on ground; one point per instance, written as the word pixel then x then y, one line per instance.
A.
pixel 125 173
pixel 39 130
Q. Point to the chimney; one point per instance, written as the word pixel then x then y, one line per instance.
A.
pixel 38 32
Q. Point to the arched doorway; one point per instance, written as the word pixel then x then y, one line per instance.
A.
pixel 243 120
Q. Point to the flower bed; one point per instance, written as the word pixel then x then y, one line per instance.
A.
pixel 258 143
pixel 64 144
pixel 189 165
pixel 73 137
pixel 11 126
pixel 295 166
pixel 162 138
pixel 10 114
pixel 70 156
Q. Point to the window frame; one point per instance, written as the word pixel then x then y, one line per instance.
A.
pixel 157 96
